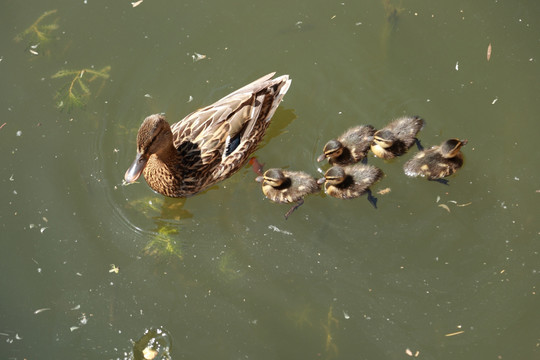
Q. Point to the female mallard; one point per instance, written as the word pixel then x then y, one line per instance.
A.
pixel 437 162
pixel 397 137
pixel 284 186
pixel 351 181
pixel 351 147
pixel 208 145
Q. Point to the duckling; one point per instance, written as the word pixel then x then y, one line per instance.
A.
pixel 284 186
pixel 349 148
pixel 351 181
pixel 438 161
pixel 397 137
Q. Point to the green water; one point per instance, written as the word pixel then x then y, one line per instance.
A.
pixel 223 273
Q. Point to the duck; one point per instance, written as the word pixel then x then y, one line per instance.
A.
pixel 349 182
pixel 285 186
pixel 208 145
pixel 349 148
pixel 437 162
pixel 397 137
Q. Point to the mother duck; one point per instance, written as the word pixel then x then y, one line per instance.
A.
pixel 208 145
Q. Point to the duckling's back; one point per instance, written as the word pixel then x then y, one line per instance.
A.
pixel 406 128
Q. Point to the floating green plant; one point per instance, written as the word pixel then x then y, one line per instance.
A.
pixel 149 206
pixel 163 244
pixel 38 32
pixel 226 266
pixel 302 317
pixel 392 13
pixel 331 323
pixel 75 93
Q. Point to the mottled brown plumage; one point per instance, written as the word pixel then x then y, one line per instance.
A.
pixel 438 161
pixel 349 148
pixel 284 186
pixel 397 137
pixel 208 145
pixel 351 181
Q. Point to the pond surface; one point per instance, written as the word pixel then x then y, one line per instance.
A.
pixel 435 272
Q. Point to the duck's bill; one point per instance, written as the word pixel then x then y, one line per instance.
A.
pixel 136 169
pixel 259 178
pixel 321 181
pixel 321 158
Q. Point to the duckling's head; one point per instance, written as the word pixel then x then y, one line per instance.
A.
pixel 384 138
pixel 272 177
pixel 154 137
pixel 450 148
pixel 333 176
pixel 332 149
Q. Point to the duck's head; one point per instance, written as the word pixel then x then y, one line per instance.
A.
pixel 154 137
pixel 384 138
pixel 332 149
pixel 450 148
pixel 333 176
pixel 272 177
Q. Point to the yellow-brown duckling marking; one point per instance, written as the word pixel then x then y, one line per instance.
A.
pixel 351 181
pixel 349 148
pixel 208 145
pixel 438 161
pixel 397 137
pixel 284 186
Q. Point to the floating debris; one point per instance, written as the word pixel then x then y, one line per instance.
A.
pixel 488 55
pixel 114 269
pixel 410 353
pixel 1 126
pixel 197 57
pixel 154 344
pixel 73 328
pixel 41 310
pixel 444 206
pixel 457 65
pixel 384 191
pixel 494 101
pixel 136 3
pixel 455 333
pixel 276 229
